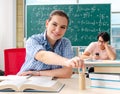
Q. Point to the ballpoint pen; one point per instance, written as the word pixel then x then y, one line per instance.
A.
pixel 30 75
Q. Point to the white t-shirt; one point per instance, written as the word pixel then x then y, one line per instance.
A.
pixel 94 48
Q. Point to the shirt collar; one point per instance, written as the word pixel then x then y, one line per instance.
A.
pixel 45 33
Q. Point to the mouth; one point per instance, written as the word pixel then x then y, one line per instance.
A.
pixel 55 34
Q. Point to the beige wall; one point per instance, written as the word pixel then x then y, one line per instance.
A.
pixel 20 23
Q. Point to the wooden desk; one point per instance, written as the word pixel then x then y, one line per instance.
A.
pixel 72 87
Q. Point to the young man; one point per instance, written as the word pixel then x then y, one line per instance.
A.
pixel 100 50
pixel 49 53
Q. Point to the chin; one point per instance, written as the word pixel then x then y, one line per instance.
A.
pixel 57 38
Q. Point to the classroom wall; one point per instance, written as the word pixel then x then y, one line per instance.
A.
pixel 7 27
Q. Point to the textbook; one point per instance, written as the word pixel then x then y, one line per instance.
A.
pixel 104 76
pixel 108 84
pixel 107 69
pixel 33 84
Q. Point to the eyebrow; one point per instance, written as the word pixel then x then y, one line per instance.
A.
pixel 100 40
pixel 61 25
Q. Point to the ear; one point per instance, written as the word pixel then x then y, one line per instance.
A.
pixel 47 23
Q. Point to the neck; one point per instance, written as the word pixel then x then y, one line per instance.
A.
pixel 52 42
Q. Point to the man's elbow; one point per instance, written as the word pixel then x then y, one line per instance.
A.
pixel 68 74
pixel 113 58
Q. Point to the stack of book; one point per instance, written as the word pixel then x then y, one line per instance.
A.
pixel 106 77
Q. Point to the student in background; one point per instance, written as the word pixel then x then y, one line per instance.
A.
pixel 49 53
pixel 100 50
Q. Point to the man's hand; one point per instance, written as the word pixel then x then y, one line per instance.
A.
pixel 106 44
pixel 34 73
pixel 75 62
pixel 96 56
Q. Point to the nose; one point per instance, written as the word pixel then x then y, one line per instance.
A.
pixel 57 29
pixel 100 43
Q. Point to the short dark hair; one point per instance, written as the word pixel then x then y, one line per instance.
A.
pixel 60 13
pixel 104 35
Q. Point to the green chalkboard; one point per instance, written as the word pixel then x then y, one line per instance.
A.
pixel 86 20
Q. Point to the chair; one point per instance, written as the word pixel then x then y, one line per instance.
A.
pixel 14 58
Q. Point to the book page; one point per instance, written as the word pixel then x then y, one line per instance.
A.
pixel 42 84
pixel 13 84
pixel 41 78
pixel 44 81
pixel 12 77
pixel 2 78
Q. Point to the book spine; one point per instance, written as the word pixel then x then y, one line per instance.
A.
pixel 106 69
pixel 96 83
pixel 104 76
pixel 105 87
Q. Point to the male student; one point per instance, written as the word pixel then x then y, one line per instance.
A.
pixel 100 50
pixel 49 53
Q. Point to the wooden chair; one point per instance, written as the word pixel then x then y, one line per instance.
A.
pixel 13 60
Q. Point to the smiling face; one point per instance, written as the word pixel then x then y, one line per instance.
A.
pixel 56 28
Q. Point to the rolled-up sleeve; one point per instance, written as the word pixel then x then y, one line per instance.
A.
pixel 67 49
pixel 33 46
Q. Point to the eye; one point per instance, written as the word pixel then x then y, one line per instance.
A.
pixel 100 41
pixel 54 24
pixel 63 27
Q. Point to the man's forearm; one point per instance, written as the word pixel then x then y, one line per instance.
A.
pixel 50 58
pixel 60 73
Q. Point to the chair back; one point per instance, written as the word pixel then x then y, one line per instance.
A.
pixel 14 58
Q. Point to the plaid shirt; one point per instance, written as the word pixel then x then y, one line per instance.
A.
pixel 39 42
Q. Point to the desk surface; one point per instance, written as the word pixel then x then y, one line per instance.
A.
pixel 72 87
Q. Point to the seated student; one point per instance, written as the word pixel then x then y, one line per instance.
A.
pixel 49 53
pixel 100 50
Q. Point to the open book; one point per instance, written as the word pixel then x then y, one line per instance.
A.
pixel 34 83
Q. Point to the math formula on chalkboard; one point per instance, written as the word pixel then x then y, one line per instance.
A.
pixel 86 20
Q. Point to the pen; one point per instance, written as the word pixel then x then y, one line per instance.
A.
pixel 30 75
pixel 54 78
